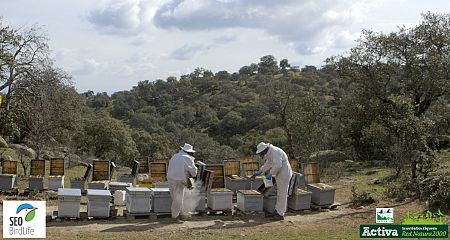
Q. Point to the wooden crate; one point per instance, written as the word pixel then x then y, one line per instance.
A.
pixel 294 165
pixel 249 168
pixel 232 167
pixel 158 171
pixel 101 170
pixel 37 167
pixel 218 179
pixel 57 167
pixel 9 167
pixel 143 164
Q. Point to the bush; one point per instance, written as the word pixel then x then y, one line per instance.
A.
pixel 361 198
pixel 436 190
pixel 399 191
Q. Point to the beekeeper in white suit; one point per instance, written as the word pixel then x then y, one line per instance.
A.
pixel 278 165
pixel 181 167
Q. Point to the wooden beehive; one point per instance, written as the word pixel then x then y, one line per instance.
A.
pixel 101 170
pixel 143 165
pixel 218 179
pixel 311 172
pixel 162 160
pixel 9 167
pixel 57 167
pixel 207 180
pixel 294 165
pixel 246 159
pixel 248 168
pixel 37 167
pixel 158 171
pixel 232 167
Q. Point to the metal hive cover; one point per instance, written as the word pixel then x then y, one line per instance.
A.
pixel 69 192
pixel 98 192
pixel 160 191
pixel 138 189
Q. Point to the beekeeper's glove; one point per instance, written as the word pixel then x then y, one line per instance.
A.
pixel 269 176
pixel 256 173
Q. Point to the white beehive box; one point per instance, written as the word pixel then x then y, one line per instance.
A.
pixel 249 201
pixel 322 194
pixel 138 200
pixel 114 186
pixel 269 203
pixel 69 202
pixel 55 182
pixel 119 197
pixel 127 178
pixel 77 184
pixel 36 183
pixel 98 202
pixel 161 200
pixel 235 183
pixel 7 181
pixel 220 199
pixel 255 183
pixel 300 200
pixel 100 185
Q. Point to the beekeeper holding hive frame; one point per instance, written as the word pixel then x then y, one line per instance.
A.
pixel 278 165
pixel 181 168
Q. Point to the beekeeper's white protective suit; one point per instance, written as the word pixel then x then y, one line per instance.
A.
pixel 278 164
pixel 181 166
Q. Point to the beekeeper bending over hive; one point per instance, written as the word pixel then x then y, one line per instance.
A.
pixel 278 165
pixel 181 167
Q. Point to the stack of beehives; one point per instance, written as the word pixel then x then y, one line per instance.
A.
pixel 8 176
pixel 37 174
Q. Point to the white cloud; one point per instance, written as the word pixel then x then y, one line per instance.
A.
pixel 299 23
pixel 123 17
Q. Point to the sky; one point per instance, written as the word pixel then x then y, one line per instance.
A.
pixel 111 45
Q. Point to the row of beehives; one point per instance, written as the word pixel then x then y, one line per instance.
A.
pixel 157 200
pixel 102 171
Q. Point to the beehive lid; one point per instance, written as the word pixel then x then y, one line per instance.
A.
pixel 9 167
pixel 98 193
pixel 138 191
pixel 249 192
pixel 37 167
pixel 302 191
pixel 160 191
pixel 56 176
pixel 69 192
pixel 220 190
pixel 321 186
pixel 101 170
pixel 231 167
pixel 120 184
pixel 56 166
pixel 143 165
pixel 235 178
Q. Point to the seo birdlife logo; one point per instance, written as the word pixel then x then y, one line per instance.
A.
pixel 24 219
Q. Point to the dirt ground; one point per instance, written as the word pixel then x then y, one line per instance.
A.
pixel 342 223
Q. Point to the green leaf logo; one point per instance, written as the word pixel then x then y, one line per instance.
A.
pixel 30 215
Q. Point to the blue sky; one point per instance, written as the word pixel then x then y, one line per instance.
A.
pixel 110 45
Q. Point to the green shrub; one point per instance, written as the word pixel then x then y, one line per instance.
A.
pixel 361 198
pixel 436 190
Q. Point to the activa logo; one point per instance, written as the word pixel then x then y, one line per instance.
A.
pixel 24 219
pixel 379 232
